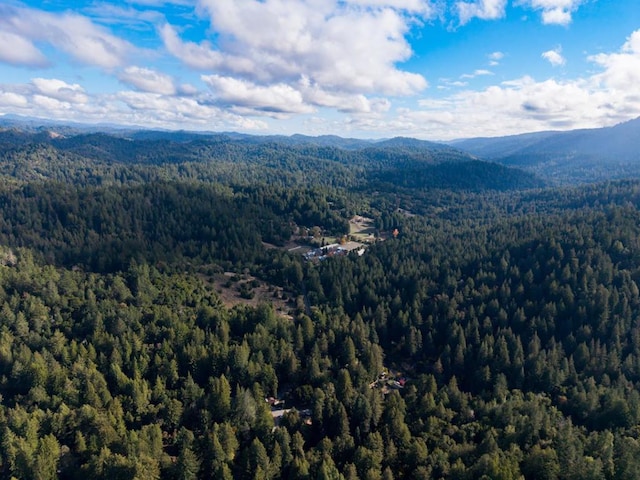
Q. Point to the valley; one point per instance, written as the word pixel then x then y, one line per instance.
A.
pixel 163 313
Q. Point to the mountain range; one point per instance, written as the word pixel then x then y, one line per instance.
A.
pixel 556 157
pixel 566 157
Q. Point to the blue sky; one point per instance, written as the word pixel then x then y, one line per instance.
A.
pixel 431 69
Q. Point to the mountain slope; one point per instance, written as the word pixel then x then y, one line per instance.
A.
pixel 234 158
pixel 568 157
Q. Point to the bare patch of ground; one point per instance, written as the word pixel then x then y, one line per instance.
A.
pixel 362 229
pixel 243 289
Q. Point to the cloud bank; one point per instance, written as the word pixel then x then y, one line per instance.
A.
pixel 330 66
pixel 71 33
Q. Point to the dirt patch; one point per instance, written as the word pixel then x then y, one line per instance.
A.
pixel 362 228
pixel 242 289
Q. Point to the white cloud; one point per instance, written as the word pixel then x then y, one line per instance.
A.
pixel 511 107
pixel 554 57
pixel 17 50
pixel 344 46
pixel 632 45
pixel 148 80
pixel 621 70
pixel 556 12
pixel 280 100
pixel 187 89
pixel 12 99
pixel 281 58
pixel 193 55
pixel 556 16
pixel 159 3
pixel 143 108
pixel 52 98
pixel 72 33
pixel 110 13
pixel 525 105
pixel 482 9
pixel 495 57
pixel 348 103
pixel 274 99
pixel 424 8
pixel 476 73
pixel 59 90
pixel 49 103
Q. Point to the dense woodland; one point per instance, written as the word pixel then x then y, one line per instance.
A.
pixel 507 312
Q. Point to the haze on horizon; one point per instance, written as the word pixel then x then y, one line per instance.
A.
pixel 435 70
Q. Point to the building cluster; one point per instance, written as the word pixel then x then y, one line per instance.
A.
pixel 334 250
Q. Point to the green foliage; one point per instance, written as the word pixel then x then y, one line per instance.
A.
pixel 496 337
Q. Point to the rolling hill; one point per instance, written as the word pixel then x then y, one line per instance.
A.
pixel 46 153
pixel 566 157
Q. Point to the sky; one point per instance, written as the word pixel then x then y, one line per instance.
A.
pixel 429 69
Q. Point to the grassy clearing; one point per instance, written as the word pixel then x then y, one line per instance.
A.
pixel 240 289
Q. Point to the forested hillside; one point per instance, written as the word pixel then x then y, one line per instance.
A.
pixel 490 331
pixel 227 159
pixel 576 156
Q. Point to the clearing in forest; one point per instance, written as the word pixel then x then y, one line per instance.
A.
pixel 362 229
pixel 243 289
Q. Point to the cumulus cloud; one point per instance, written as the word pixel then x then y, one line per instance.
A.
pixel 556 12
pixel 148 80
pixel 347 46
pixel 482 9
pixel 516 106
pixel 12 99
pixel 622 69
pixel 198 56
pixel 48 97
pixel 524 104
pixel 59 90
pixel 347 103
pixel 281 58
pixel 554 57
pixel 53 98
pixel 17 50
pixel 72 33
pixel 632 45
pixel 144 108
pixel 202 56
pixel 275 99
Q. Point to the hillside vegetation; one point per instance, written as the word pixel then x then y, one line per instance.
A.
pixel 577 156
pixel 491 332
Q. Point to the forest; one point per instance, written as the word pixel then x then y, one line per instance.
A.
pixel 495 335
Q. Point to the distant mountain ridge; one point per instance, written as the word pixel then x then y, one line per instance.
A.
pixel 568 157
pixel 86 138
pixel 228 157
pixel 28 125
